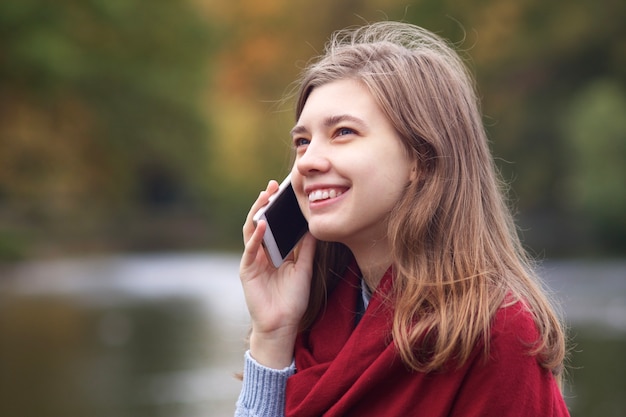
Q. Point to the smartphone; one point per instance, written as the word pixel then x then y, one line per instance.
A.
pixel 285 223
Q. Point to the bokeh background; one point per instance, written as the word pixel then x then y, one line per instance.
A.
pixel 134 136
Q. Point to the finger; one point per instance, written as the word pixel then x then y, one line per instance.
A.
pixel 262 199
pixel 272 186
pixel 253 245
pixel 248 226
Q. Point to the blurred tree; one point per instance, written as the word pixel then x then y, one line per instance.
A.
pixel 99 110
pixel 105 104
pixel 532 59
pixel 596 130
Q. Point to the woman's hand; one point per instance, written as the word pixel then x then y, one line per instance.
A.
pixel 276 298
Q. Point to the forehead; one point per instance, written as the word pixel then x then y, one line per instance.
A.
pixel 346 97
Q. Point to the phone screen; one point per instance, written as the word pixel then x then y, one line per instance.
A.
pixel 286 220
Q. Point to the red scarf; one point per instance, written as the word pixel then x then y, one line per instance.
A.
pixel 348 371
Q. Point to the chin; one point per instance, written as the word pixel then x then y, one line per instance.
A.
pixel 324 234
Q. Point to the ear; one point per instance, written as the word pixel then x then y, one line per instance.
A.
pixel 414 174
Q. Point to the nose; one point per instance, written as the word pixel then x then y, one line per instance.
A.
pixel 314 159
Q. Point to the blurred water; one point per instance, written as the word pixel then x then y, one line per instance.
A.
pixel 164 334
pixel 137 336
pixel 591 293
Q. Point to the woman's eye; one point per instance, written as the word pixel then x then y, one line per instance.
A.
pixel 344 131
pixel 297 142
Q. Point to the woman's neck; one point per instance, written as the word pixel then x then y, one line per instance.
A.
pixel 373 260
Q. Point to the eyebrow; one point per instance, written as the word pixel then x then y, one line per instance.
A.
pixel 332 121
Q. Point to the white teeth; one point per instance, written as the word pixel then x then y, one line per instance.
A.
pixel 324 194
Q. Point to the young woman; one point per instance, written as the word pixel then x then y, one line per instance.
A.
pixel 411 294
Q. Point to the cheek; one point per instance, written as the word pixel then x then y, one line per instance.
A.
pixel 296 180
pixel 296 183
pixel 389 186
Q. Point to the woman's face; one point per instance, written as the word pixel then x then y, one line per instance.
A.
pixel 350 167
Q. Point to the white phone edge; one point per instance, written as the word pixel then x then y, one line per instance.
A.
pixel 269 243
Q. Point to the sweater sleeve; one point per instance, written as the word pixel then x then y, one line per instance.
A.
pixel 263 390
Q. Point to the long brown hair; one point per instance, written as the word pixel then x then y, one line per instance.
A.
pixel 455 249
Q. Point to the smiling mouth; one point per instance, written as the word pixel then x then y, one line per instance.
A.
pixel 319 195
